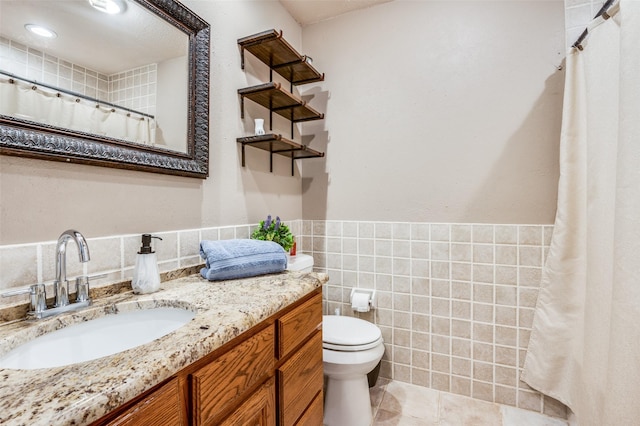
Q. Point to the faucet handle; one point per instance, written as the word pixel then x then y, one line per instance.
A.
pixel 38 298
pixel 38 295
pixel 82 286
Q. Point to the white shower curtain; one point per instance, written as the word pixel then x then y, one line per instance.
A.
pixel 42 105
pixel 585 343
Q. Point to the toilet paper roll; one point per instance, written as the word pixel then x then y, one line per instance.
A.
pixel 360 302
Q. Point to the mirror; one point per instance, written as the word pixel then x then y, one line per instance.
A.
pixel 127 90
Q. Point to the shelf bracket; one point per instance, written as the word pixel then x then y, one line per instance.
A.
pixel 241 57
pixel 241 106
pixel 293 166
pixel 243 155
pixel 270 161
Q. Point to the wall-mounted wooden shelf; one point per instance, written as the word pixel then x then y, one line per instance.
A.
pixel 273 50
pixel 273 97
pixel 277 144
pixel 270 48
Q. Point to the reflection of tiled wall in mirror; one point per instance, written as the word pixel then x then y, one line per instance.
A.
pixel 21 60
pixel 135 89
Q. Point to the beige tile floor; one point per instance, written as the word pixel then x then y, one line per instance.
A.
pixel 402 404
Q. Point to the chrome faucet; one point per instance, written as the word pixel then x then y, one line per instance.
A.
pixel 61 285
pixel 38 294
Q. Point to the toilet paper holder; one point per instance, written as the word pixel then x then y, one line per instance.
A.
pixel 362 299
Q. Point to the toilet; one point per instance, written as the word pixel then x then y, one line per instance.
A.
pixel 300 263
pixel 351 348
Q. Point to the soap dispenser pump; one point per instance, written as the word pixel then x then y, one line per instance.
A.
pixel 146 277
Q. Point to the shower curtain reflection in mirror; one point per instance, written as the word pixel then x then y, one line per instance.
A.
pixel 39 104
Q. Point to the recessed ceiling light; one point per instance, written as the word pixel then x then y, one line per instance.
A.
pixel 41 31
pixel 111 7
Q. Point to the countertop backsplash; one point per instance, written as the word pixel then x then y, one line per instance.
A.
pixel 22 265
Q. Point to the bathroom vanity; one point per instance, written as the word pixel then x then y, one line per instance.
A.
pixel 251 355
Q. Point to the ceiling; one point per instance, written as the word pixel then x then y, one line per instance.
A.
pixel 103 43
pixel 307 12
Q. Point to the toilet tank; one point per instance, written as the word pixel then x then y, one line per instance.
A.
pixel 300 263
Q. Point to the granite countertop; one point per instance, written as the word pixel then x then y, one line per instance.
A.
pixel 81 393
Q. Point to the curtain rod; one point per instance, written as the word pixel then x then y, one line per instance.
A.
pixel 78 95
pixel 602 11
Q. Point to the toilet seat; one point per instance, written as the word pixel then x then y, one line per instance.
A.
pixel 348 334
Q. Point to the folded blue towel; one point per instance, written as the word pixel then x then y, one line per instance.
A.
pixel 230 259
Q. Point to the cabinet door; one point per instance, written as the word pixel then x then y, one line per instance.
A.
pixel 220 385
pixel 162 407
pixel 296 326
pixel 257 410
pixel 300 380
pixel 314 414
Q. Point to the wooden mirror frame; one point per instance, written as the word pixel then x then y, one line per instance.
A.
pixel 28 139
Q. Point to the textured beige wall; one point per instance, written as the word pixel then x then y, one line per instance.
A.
pixel 437 112
pixel 40 199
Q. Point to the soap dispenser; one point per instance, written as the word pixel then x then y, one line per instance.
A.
pixel 146 277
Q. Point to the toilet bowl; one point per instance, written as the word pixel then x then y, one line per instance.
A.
pixel 351 348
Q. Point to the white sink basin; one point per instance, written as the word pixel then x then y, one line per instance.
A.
pixel 96 338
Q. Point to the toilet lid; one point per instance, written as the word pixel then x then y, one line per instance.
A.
pixel 348 331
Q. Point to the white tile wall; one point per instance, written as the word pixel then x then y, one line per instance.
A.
pixel 578 13
pixel 134 89
pixel 455 301
pixel 18 59
pixel 25 264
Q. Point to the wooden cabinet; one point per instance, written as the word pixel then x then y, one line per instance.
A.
pixel 274 51
pixel 258 410
pixel 299 374
pixel 300 381
pixel 219 385
pixel 269 375
pixel 298 325
pixel 314 414
pixel 162 406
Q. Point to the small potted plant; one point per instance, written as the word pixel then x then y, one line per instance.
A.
pixel 274 230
